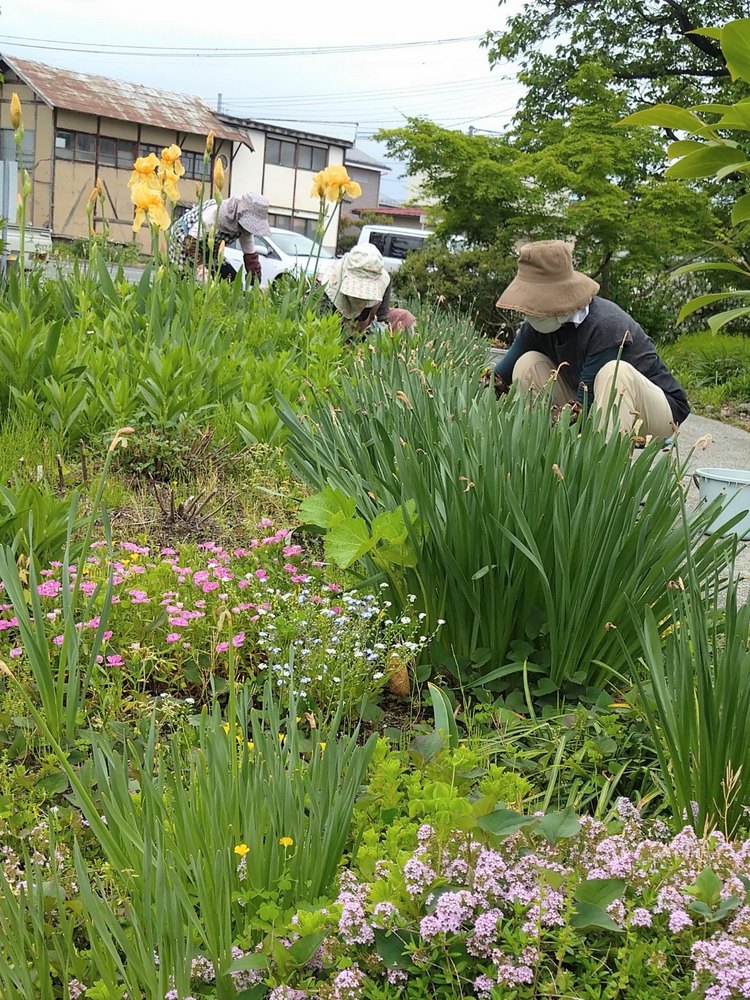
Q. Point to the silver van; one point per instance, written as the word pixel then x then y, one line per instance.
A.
pixel 394 243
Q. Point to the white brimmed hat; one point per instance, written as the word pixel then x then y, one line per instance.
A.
pixel 253 214
pixel 358 280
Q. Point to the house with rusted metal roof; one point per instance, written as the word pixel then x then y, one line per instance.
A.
pixel 80 127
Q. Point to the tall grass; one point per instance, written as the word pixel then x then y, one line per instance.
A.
pixel 530 537
pixel 695 687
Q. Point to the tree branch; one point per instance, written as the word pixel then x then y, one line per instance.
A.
pixel 656 73
pixel 685 22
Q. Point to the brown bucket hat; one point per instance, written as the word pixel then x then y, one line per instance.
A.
pixel 546 283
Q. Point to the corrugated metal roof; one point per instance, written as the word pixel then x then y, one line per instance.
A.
pixel 283 129
pixel 131 102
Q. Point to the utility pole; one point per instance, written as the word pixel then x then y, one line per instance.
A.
pixel 218 103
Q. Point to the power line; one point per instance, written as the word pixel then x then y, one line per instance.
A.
pixel 354 95
pixel 178 52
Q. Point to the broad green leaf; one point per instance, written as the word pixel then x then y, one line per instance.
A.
pixel 555 825
pixel 707 888
pixel 711 266
pixel 392 949
pixel 683 146
pixel 305 947
pixel 587 916
pixel 665 116
pixel 741 213
pixel 348 541
pixel 445 721
pixel 322 507
pixel 705 162
pixel 738 117
pixel 734 168
pixel 253 960
pixel 504 822
pixel 720 320
pixel 707 32
pixel 707 300
pixel 390 526
pixel 600 891
pixel 735 44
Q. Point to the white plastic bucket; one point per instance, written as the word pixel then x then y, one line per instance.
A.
pixel 734 486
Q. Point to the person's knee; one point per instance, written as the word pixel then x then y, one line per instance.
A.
pixel 615 373
pixel 532 369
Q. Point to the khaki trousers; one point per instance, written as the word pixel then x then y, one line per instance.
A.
pixel 637 404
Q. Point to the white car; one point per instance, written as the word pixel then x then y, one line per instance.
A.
pixel 283 252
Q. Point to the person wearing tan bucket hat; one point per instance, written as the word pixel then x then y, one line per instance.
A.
pixel 589 347
pixel 358 287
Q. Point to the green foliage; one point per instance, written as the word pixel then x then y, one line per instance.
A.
pixel 696 696
pixel 712 367
pixel 714 153
pixel 475 179
pixel 641 42
pixel 463 282
pixel 86 354
pixel 521 525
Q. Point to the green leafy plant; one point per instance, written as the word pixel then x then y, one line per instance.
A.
pixel 714 152
pixel 696 697
pixel 530 538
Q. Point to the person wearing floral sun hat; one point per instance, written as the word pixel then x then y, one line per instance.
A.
pixel 358 287
pixel 590 347
pixel 233 218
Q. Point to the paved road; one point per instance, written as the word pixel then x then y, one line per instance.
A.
pixel 719 446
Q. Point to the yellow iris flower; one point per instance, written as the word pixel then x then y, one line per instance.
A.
pixel 16 118
pixel 149 207
pixel 144 172
pixel 168 180
pixel 219 175
pixel 333 183
pixel 170 160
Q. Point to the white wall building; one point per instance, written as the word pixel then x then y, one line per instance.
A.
pixel 281 166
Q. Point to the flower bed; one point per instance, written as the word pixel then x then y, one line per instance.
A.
pixel 176 617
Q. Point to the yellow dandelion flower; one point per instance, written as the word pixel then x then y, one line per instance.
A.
pixel 241 850
pixel 286 841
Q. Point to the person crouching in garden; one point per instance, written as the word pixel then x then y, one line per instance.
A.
pixel 590 347
pixel 358 288
pixel 195 239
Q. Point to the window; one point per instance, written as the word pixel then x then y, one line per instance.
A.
pixel 85 147
pixel 107 151
pixel 311 157
pixel 281 221
pixel 284 153
pixel 82 148
pixel 402 245
pixel 379 240
pixel 8 147
pixel 64 145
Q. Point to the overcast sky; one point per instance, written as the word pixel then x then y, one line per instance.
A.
pixel 344 94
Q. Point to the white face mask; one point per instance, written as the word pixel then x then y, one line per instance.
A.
pixel 549 324
pixel 544 324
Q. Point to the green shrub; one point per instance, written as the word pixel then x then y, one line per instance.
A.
pixel 527 538
pixel 714 368
pixel 467 282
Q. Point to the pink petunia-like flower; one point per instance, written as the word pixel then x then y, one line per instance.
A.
pixel 292 550
pixel 16 651
pixel 261 574
pixel 238 640
pixel 222 647
pixel 107 636
pixel 58 640
pixel 265 522
pixel 115 661
pixel 174 637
